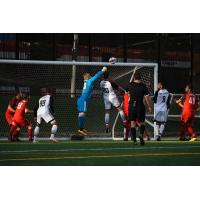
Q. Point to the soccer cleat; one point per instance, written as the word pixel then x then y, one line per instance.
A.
pixel 30 139
pixel 148 138
pixel 125 139
pixel 134 142
pixel 193 139
pixel 107 130
pixel 82 132
pixel 158 138
pixel 53 139
pixel 35 141
pixel 141 141
pixel 183 139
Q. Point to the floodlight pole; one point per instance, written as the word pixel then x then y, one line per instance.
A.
pixel 74 58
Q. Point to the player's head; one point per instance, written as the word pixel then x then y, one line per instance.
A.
pixel 106 75
pixel 189 88
pixel 137 76
pixel 160 85
pixel 86 76
pixel 49 91
pixel 25 95
pixel 18 93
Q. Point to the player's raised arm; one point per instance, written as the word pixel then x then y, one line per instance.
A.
pixel 180 101
pixel 98 74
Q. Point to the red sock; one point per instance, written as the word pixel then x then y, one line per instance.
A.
pixel 191 131
pixel 30 133
pixel 11 131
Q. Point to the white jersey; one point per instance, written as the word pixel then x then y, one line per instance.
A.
pixel 108 91
pixel 162 98
pixel 44 105
pixel 110 98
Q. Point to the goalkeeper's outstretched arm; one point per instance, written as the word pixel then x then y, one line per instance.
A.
pixel 98 74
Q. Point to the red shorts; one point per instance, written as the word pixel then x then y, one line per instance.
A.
pixel 9 117
pixel 187 118
pixel 21 122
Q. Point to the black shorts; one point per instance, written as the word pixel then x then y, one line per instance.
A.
pixel 136 113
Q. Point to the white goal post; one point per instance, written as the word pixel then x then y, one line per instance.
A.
pixel 121 72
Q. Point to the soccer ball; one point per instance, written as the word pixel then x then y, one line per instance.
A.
pixel 112 60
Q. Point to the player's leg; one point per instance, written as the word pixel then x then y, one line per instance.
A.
pixel 37 128
pixel 13 127
pixel 26 123
pixel 190 129
pixel 141 124
pixel 16 134
pixel 82 108
pixel 127 130
pixel 107 105
pixel 132 118
pixel 54 129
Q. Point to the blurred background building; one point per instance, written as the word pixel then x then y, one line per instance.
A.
pixel 178 55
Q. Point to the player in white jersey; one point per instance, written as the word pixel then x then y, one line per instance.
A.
pixel 45 111
pixel 162 102
pixel 110 99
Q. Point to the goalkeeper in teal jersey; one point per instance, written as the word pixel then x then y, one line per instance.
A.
pixel 85 97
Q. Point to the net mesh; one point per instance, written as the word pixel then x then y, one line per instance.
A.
pixel 35 78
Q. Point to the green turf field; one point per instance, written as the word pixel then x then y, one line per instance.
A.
pixel 100 153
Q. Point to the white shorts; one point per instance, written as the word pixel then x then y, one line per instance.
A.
pixel 47 117
pixel 161 116
pixel 108 102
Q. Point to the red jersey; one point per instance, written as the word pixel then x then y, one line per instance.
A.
pixel 20 111
pixel 13 103
pixel 126 103
pixel 189 104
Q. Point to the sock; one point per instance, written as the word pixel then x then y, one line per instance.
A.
pixel 191 131
pixel 11 131
pixel 81 121
pixel 36 130
pixel 54 129
pixel 122 115
pixel 16 133
pixel 157 130
pixel 133 133
pixel 30 132
pixel 162 127
pixel 107 119
pixel 142 128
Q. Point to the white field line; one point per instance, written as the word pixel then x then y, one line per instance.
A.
pixel 96 149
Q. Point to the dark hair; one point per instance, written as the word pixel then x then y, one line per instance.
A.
pixel 163 85
pixel 190 86
pixel 137 76
pixel 106 74
pixel 49 90
pixel 25 95
pixel 17 91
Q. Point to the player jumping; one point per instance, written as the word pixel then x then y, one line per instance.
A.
pixel 110 99
pixel 189 104
pixel 19 120
pixel 138 91
pixel 10 114
pixel 162 102
pixel 44 110
pixel 85 97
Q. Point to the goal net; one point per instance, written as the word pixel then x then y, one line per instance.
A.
pixel 65 78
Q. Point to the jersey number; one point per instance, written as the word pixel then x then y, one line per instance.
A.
pixel 42 103
pixel 192 100
pixel 164 99
pixel 19 105
pixel 105 90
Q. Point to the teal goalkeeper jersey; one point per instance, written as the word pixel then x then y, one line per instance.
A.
pixel 88 86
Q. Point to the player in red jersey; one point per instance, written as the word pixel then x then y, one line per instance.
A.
pixel 19 117
pixel 189 104
pixel 11 111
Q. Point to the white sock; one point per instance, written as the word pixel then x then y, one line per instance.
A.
pixel 157 130
pixel 36 131
pixel 54 130
pixel 122 115
pixel 107 118
pixel 162 127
